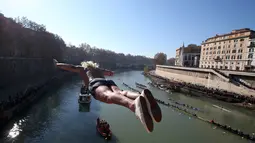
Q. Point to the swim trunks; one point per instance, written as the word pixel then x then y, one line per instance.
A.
pixel 96 82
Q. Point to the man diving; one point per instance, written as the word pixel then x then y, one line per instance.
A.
pixel 143 105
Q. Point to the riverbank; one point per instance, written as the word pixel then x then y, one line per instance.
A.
pixel 49 118
pixel 202 91
pixel 191 111
pixel 23 99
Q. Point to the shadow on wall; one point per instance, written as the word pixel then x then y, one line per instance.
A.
pixel 17 69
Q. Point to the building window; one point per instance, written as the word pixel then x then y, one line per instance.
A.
pixel 250 56
pixel 241 45
pixel 239 57
pixel 226 67
pixel 218 52
pixel 241 39
pixel 214 52
pixel 233 57
pixel 206 48
pixel 210 52
pixel 229 41
pixel 214 48
pixel 228 46
pixel 223 47
pixel 233 51
pixel 236 40
pixel 235 45
pixel 223 52
pixel 251 50
pixel 206 53
pixel 211 48
pixel 240 51
pixel 219 47
pixel 219 42
pixel 215 43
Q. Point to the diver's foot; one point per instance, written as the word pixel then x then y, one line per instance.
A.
pixel 142 113
pixel 153 106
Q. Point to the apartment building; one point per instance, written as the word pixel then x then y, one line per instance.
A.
pixel 188 56
pixel 231 51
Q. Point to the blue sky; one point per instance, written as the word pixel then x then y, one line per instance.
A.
pixel 139 27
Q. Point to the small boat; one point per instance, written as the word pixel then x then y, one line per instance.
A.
pixel 84 96
pixel 140 85
pixel 104 132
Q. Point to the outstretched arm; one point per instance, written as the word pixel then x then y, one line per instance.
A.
pixel 74 68
pixel 68 67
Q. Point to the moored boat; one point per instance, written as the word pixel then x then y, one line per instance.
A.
pixel 140 85
pixel 84 96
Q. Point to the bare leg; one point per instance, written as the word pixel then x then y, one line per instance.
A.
pixel 138 106
pixel 129 94
pixel 153 107
pixel 104 94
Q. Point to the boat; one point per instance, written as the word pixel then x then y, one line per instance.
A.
pixel 84 96
pixel 104 133
pixel 140 85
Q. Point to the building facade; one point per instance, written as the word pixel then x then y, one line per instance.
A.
pixel 231 51
pixel 188 56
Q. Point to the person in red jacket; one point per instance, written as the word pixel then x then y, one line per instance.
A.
pixel 143 105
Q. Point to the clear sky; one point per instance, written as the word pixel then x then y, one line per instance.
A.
pixel 139 27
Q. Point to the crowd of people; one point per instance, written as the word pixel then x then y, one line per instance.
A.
pixel 225 127
pixel 217 93
pixel 20 97
pixel 103 126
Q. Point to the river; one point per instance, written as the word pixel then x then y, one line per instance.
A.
pixel 57 118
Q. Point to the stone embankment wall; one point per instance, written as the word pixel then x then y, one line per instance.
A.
pixel 16 70
pixel 207 79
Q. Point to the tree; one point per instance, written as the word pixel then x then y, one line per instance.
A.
pixel 146 69
pixel 21 37
pixel 160 59
pixel 171 61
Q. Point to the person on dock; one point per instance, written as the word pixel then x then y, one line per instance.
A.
pixel 143 105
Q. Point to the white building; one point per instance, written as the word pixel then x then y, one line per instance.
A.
pixel 185 56
pixel 231 51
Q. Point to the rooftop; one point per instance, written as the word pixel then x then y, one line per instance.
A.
pixel 236 31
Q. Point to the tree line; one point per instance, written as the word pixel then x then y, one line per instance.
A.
pixel 161 59
pixel 21 37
